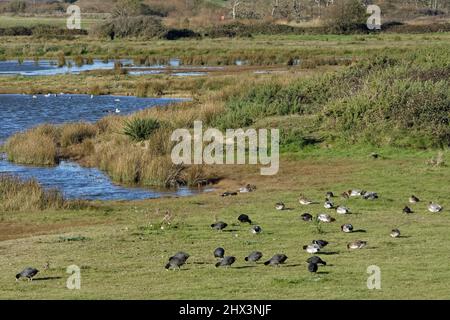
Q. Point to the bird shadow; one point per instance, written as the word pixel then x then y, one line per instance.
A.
pixel 322 272
pixel 329 253
pixel 360 230
pixel 244 267
pixel 47 278
pixel 230 230
pixel 293 265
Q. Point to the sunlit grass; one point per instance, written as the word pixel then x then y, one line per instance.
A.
pixel 126 251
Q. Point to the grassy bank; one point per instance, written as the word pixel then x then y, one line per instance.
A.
pixel 18 195
pixel 258 50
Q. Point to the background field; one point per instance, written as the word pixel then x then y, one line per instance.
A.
pixel 15 21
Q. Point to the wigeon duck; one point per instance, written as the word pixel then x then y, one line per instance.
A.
pixel 395 233
pixel 434 207
pixel 280 206
pixel 325 218
pixel 342 210
pixel 347 228
pixel 358 244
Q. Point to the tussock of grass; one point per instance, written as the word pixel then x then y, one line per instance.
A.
pixel 27 195
pixel 35 146
pixel 76 133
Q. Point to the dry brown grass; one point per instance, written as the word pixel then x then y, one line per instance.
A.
pixel 75 133
pixel 34 146
pixel 27 195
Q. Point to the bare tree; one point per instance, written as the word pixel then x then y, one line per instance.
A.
pixel 234 6
pixel 275 5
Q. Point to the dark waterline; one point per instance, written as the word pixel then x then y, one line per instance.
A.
pixel 20 112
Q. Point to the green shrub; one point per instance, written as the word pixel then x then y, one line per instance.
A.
pixel 347 16
pixel 124 27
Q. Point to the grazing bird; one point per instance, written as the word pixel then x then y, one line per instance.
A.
pixel 374 155
pixel 181 255
pixel 325 218
pixel 228 193
pixel 312 248
pixel 328 204
pixel 345 195
pixel 312 267
pixel 280 206
pixel 306 217
pixel 28 273
pixel 358 244
pixel 329 195
pixel 407 210
pixel 434 207
pixel 175 263
pixel 413 199
pixel 347 228
pixel 254 256
pixel 256 229
pixel 395 233
pixel 356 193
pixel 320 243
pixel 219 225
pixel 276 260
pixel 247 188
pixel 243 218
pixel 226 262
pixel 342 210
pixel 219 253
pixel 370 196
pixel 305 201
pixel 316 260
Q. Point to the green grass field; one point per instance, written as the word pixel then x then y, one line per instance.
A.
pixel 125 250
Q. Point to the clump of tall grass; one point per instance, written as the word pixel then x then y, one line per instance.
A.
pixel 140 129
pixel 75 133
pixel 79 61
pixel 27 195
pixel 153 88
pixel 37 146
pixel 61 59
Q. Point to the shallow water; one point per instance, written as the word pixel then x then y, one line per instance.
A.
pixel 50 68
pixel 20 112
